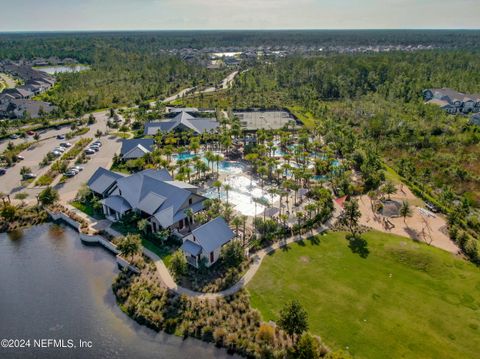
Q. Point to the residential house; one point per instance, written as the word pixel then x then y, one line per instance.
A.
pixel 153 194
pixel 182 122
pixel 205 242
pixel 136 148
pixel 20 108
pixel 453 101
pixel 18 93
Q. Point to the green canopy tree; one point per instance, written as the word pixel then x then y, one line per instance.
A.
pixel 293 319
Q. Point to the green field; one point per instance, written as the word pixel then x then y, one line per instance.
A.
pixel 401 299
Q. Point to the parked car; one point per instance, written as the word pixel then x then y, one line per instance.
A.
pixel 432 207
pixel 74 170
pixel 97 143
pixel 14 136
pixel 20 158
pixel 70 173
pixel 60 137
pixel 95 148
pixel 2 171
pixel 79 168
pixel 56 153
pixel 29 176
pixel 65 144
pixel 89 151
pixel 30 133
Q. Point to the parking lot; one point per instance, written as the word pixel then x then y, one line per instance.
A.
pixel 11 180
pixel 102 158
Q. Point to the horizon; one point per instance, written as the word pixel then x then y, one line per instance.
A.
pixel 64 31
pixel 211 15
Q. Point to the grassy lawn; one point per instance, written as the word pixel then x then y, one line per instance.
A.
pixel 403 300
pixel 164 251
pixel 87 209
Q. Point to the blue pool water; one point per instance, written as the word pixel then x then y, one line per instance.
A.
pixel 184 156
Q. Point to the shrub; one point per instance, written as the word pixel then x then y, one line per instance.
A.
pixel 178 264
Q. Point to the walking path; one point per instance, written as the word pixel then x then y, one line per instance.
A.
pixel 257 258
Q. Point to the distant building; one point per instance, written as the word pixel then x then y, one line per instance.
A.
pixel 18 93
pixel 153 194
pixel 452 101
pixel 19 108
pixel 15 102
pixel 182 122
pixel 205 242
pixel 136 148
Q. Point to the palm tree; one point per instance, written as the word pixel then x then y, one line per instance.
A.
pixel 189 214
pixel 227 188
pixel 389 189
pixel 405 211
pixel 217 184
pixel 244 225
pixel 24 170
pixel 236 221
pixel 142 225
pixel 300 216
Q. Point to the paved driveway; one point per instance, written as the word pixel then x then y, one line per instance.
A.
pixel 103 158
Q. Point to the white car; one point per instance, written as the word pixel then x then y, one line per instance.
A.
pixel 70 173
pixel 56 153
pixel 97 143
pixel 20 158
pixel 78 168
pixel 59 149
pixel 94 148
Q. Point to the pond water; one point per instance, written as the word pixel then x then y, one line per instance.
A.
pixel 52 286
pixel 56 69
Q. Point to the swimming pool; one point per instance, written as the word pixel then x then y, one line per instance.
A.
pixel 184 156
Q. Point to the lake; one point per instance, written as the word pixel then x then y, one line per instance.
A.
pixel 61 68
pixel 53 286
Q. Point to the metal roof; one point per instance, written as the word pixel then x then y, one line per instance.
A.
pixel 213 234
pixel 183 121
pixel 102 179
pixel 191 247
pixel 116 203
pixel 128 145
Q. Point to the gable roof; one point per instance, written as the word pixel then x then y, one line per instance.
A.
pixel 153 191
pixel 191 247
pixel 136 152
pixel 102 179
pixel 183 121
pixel 117 203
pixel 213 234
pixel 142 143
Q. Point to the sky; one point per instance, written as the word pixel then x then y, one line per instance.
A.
pixel 74 15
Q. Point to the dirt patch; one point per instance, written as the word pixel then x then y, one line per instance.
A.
pixel 305 259
pixel 423 228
